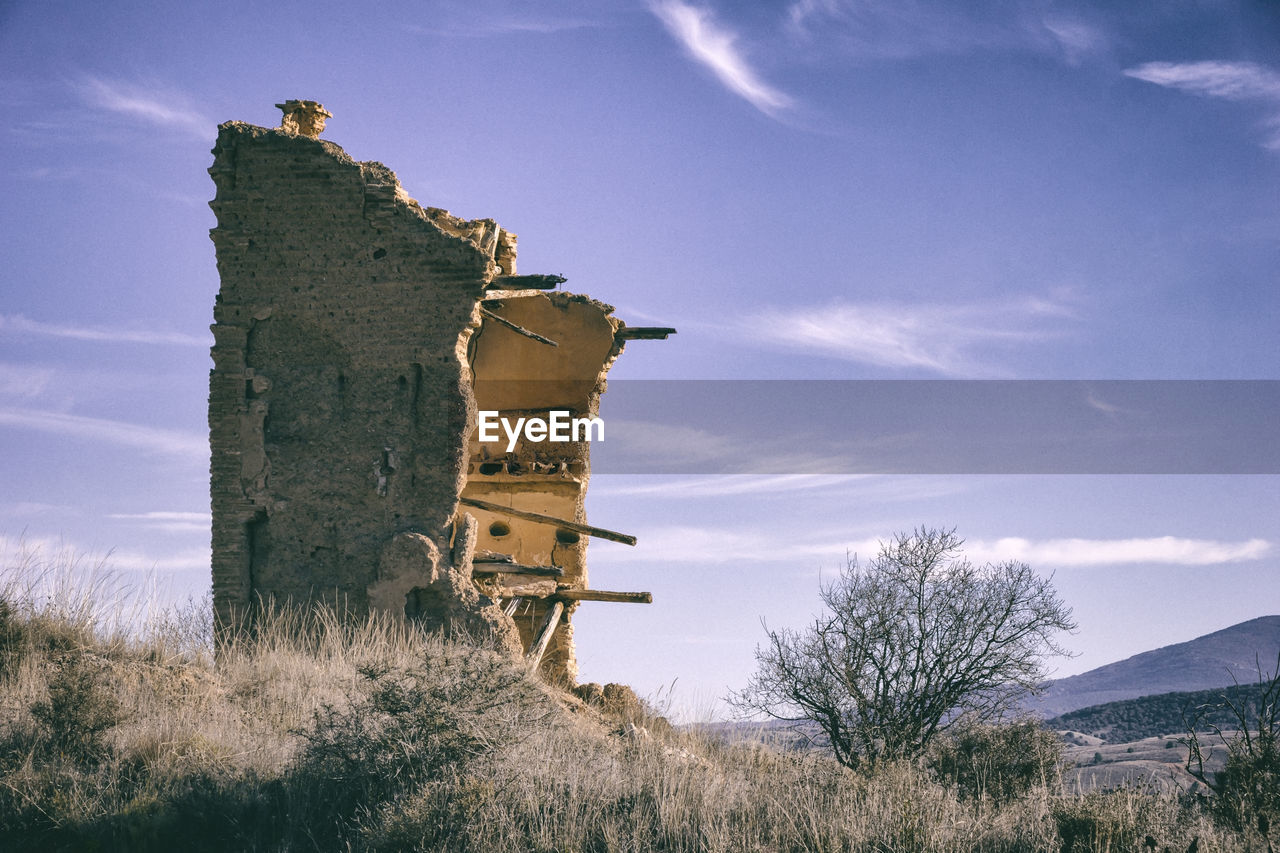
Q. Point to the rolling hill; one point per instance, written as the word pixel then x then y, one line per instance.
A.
pixel 1204 663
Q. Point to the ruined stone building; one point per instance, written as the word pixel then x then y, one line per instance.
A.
pixel 357 333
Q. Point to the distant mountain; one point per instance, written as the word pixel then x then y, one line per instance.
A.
pixel 1166 714
pixel 1200 664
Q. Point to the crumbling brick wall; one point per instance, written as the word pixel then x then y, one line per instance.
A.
pixel 342 399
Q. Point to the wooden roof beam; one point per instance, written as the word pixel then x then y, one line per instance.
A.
pixel 604 595
pixel 527 282
pixel 584 529
pixel 644 333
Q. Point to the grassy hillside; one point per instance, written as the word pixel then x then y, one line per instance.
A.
pixel 1153 716
pixel 1200 664
pixel 324 735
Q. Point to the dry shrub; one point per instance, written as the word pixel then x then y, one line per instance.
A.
pixel 1002 762
pixel 1136 818
pixel 325 733
pixel 80 709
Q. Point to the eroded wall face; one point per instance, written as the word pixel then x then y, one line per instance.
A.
pixel 339 404
pixel 356 335
pixel 521 377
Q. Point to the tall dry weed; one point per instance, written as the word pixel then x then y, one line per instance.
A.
pixel 318 731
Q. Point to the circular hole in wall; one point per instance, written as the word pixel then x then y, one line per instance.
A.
pixel 499 528
pixel 567 537
pixel 490 468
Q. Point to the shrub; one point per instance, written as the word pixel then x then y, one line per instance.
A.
pixel 11 641
pixel 406 727
pixel 1246 792
pixel 1130 819
pixel 79 711
pixel 1002 762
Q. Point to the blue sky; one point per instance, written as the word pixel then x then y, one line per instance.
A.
pixel 820 189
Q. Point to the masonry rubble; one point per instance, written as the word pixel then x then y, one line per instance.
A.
pixel 356 335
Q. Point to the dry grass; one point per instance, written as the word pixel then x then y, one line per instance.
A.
pixel 325 734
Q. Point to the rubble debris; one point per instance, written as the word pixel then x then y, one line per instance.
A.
pixel 303 117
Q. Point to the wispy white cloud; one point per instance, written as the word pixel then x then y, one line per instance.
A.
pixel 732 484
pixel 186 559
pixel 947 339
pixel 1232 81
pixel 1076 38
pixel 732 448
pixel 1168 550
pixel 904 29
pixel 718 545
pixel 22 380
pixel 148 105
pixel 495 18
pixel 163 515
pixel 473 27
pixel 53 559
pixel 101 430
pixel 18 324
pixel 714 46
pixel 24 509
pixel 791 487
pixel 684 447
pixel 168 521
pixel 1093 399
pixel 1235 81
pixel 49 173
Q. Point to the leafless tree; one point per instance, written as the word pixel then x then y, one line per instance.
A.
pixel 907 646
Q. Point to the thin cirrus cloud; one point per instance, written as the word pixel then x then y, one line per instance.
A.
pixel 952 340
pixel 167 521
pixel 715 47
pixel 18 324
pixel 155 439
pixel 783 487
pixel 23 380
pixel 679 544
pixel 143 104
pixel 472 27
pixel 733 484
pixel 906 29
pixel 52 562
pixel 1231 81
pixel 1170 550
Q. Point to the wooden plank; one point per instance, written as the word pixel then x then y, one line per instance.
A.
pixel 543 638
pixel 519 586
pixel 586 529
pixel 644 333
pixel 527 282
pixel 604 595
pixel 514 603
pixel 483 567
pixel 485 312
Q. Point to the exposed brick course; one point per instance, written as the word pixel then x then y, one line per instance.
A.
pixel 341 401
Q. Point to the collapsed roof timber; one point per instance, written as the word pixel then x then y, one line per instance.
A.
pixel 357 333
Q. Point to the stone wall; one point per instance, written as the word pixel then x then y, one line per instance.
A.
pixel 353 334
